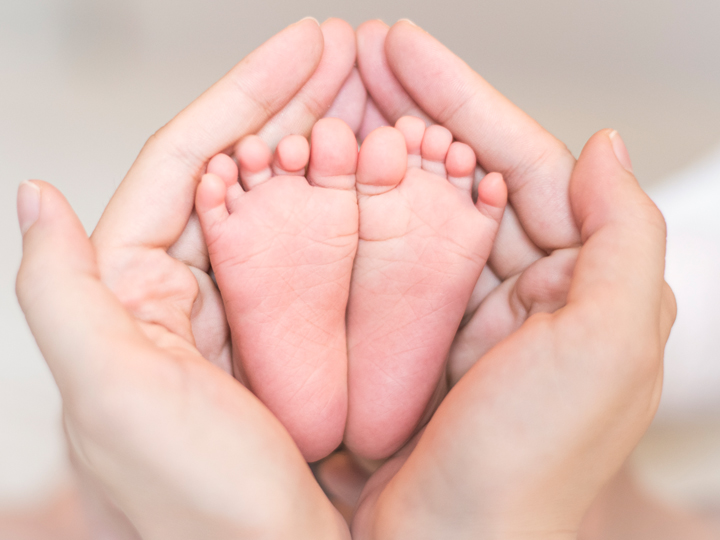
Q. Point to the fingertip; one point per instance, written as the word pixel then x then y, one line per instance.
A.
pixel 621 151
pixel 602 187
pixel 370 28
pixel 340 45
pixel 309 18
pixel 402 26
pixel 56 238
pixel 28 204
pixel 339 27
pixel 309 38
pixel 370 39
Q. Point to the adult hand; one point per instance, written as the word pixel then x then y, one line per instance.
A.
pixel 150 248
pixel 181 448
pixel 408 72
pixel 149 245
pixel 524 442
pixel 531 453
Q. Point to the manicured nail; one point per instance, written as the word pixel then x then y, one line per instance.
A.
pixel 620 150
pixel 28 204
pixel 407 21
pixel 311 18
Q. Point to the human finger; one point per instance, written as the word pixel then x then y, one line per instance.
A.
pixel 389 95
pixel 58 288
pixel 535 165
pixel 342 479
pixel 556 407
pixel 349 105
pixel 153 203
pixel 621 265
pixel 317 95
pixel 541 288
pixel 513 251
pixel 125 388
pixel 372 119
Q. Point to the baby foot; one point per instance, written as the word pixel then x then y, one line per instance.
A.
pixel 423 243
pixel 282 247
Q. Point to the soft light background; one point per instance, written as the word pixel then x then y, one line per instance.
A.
pixel 83 83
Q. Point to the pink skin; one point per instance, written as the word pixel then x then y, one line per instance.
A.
pixel 423 243
pixel 282 248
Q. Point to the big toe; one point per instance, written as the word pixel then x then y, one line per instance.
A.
pixel 382 162
pixel 333 155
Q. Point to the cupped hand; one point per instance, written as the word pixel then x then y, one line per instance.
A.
pixel 526 439
pixel 176 444
pixel 554 399
pixel 149 245
pixel 407 71
pixel 150 248
pixel 128 322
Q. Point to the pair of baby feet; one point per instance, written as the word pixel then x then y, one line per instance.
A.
pixel 345 285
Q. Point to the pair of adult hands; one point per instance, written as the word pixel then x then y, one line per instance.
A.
pixel 555 373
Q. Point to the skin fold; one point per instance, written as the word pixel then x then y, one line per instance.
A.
pixel 545 404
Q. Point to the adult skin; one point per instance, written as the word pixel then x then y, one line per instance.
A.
pixel 408 72
pixel 127 261
pixel 517 450
pixel 176 447
pixel 548 406
pixel 523 443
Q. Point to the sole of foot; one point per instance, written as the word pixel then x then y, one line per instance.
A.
pixel 282 244
pixel 422 245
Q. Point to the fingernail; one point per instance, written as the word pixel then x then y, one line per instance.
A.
pixel 28 204
pixel 311 18
pixel 620 150
pixel 407 21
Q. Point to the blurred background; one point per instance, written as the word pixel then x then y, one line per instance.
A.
pixel 85 82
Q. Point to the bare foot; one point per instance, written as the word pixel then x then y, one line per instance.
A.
pixel 423 243
pixel 282 246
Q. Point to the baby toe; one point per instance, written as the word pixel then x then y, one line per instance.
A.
pixel 291 156
pixel 254 159
pixel 492 196
pixel 460 165
pixel 382 162
pixel 435 145
pixel 333 155
pixel 413 129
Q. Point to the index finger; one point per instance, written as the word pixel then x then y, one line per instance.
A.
pixel 153 203
pixel 535 165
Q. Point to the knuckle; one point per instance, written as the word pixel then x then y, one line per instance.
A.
pixel 651 215
pixel 669 302
pixel 28 284
pixel 624 345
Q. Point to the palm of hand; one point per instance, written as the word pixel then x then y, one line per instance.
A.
pixel 177 303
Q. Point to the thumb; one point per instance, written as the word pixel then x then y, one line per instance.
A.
pixel 620 269
pixel 77 322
